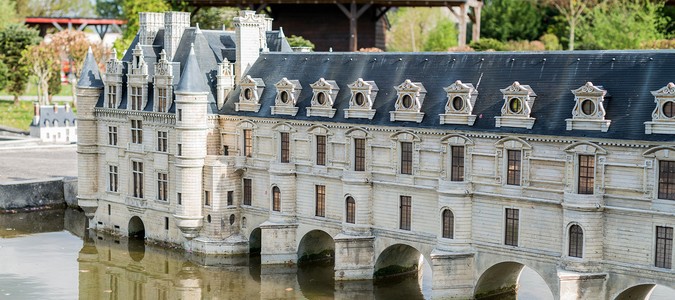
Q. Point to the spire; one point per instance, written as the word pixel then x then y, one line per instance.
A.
pixel 192 78
pixel 90 76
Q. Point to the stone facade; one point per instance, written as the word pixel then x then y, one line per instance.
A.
pixel 374 182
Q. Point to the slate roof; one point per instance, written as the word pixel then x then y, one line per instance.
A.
pixel 90 76
pixel 47 114
pixel 191 79
pixel 628 76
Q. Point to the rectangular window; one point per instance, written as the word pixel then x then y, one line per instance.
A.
pixel 285 151
pixel 667 179
pixel 112 96
pixel 320 201
pixel 112 178
pixel 359 154
pixel 457 163
pixel 248 142
pixel 664 247
pixel 166 223
pixel 230 197
pixel 162 99
pixel 109 210
pixel 162 186
pixel 112 135
pixel 179 112
pixel 207 198
pixel 321 150
pixel 137 131
pixel 137 176
pixel 179 198
pixel 406 202
pixel 513 171
pixel 586 173
pixel 136 98
pixel 179 149
pixel 247 191
pixel 511 232
pixel 162 141
pixel 406 158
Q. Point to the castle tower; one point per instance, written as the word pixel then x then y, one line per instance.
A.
pixel 191 126
pixel 149 23
pixel 250 39
pixel 89 88
pixel 174 24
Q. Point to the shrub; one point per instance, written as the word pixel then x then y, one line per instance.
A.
pixel 487 44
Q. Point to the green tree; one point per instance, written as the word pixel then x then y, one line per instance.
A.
pixel 298 41
pixel 55 8
pixel 131 8
pixel 410 27
pixel 574 13
pixel 215 17
pixel 109 9
pixel 41 59
pixel 4 72
pixel 623 24
pixel 8 15
pixel 442 37
pixel 512 20
pixel 14 39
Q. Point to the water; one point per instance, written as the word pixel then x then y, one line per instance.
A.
pixel 49 255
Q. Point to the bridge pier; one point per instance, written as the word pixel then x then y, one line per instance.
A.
pixel 577 285
pixel 278 244
pixel 453 274
pixel 354 257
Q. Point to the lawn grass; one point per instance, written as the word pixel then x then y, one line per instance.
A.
pixel 31 90
pixel 18 117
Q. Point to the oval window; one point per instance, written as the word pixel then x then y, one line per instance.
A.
pixel 232 219
pixel 515 105
pixel 587 107
pixel 321 98
pixel 359 99
pixel 284 96
pixel 669 109
pixel 248 94
pixel 457 103
pixel 407 101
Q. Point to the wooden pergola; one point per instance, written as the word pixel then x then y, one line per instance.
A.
pixel 101 25
pixel 467 11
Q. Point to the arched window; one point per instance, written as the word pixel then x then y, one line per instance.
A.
pixel 350 210
pixel 576 241
pixel 448 224
pixel 276 199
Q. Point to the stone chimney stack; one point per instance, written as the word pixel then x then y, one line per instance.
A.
pixel 174 24
pixel 250 35
pixel 149 24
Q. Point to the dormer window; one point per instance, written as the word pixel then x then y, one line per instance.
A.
pixel 324 93
pixel 408 102
pixel 459 108
pixel 517 107
pixel 163 82
pixel 138 80
pixel 663 116
pixel 287 95
pixel 249 97
pixel 113 81
pixel 588 112
pixel 361 102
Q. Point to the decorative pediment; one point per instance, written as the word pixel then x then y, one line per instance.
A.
pixel 324 94
pixel 286 98
pixel 361 101
pixel 138 65
pixel 114 65
pixel 585 148
pixel 249 96
pixel 163 67
pixel 663 116
pixel 589 111
pixel 459 107
pixel 163 80
pixel 517 107
pixel 409 100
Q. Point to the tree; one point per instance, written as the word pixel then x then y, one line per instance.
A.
pixel 14 39
pixel 109 9
pixel 131 8
pixel 512 20
pixel 410 26
pixel 4 72
pixel 41 59
pixel 623 24
pixel 574 12
pixel 215 17
pixel 442 37
pixel 298 41
pixel 55 8
pixel 8 14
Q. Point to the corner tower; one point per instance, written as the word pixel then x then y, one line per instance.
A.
pixel 191 125
pixel 89 90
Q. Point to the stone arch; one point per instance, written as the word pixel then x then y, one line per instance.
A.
pixel 255 241
pixel 405 135
pixel 585 148
pixel 642 291
pixel 513 143
pixel 316 245
pixel 136 228
pixel 502 279
pixel 320 129
pixel 397 259
pixel 457 139
pixel 357 132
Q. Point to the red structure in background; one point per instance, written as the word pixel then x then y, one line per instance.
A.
pixel 101 26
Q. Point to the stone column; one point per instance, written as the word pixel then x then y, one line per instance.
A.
pixel 354 257
pixel 278 243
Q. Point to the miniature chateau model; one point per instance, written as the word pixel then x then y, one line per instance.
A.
pixel 483 163
pixel 53 123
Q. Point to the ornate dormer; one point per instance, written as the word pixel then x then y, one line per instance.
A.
pixel 518 101
pixel 287 96
pixel 361 102
pixel 138 80
pixel 663 116
pixel 324 94
pixel 409 100
pixel 225 79
pixel 163 84
pixel 113 81
pixel 459 108
pixel 588 112
pixel 249 96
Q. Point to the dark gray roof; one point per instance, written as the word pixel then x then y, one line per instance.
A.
pixel 49 115
pixel 628 76
pixel 276 41
pixel 90 76
pixel 192 80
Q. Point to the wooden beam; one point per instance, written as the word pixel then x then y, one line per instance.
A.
pixel 476 23
pixel 462 25
pixel 353 14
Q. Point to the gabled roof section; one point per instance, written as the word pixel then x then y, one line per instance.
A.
pixel 192 78
pixel 90 76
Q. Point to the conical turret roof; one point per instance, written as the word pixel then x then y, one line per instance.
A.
pixel 192 78
pixel 90 76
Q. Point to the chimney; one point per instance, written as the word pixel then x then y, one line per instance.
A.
pixel 174 24
pixel 149 24
pixel 250 39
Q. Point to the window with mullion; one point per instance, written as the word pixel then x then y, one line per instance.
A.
pixel 511 232
pixel 321 150
pixel 448 224
pixel 667 179
pixel 406 203
pixel 162 141
pixel 276 199
pixel 112 96
pixel 320 195
pixel 457 163
pixel 586 174
pixel 248 142
pixel 247 191
pixel 406 157
pixel 664 247
pixel 136 98
pixel 162 99
pixel 137 131
pixel 112 135
pixel 285 147
pixel 576 246
pixel 514 165
pixel 137 176
pixel 359 154
pixel 162 186
pixel 112 178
